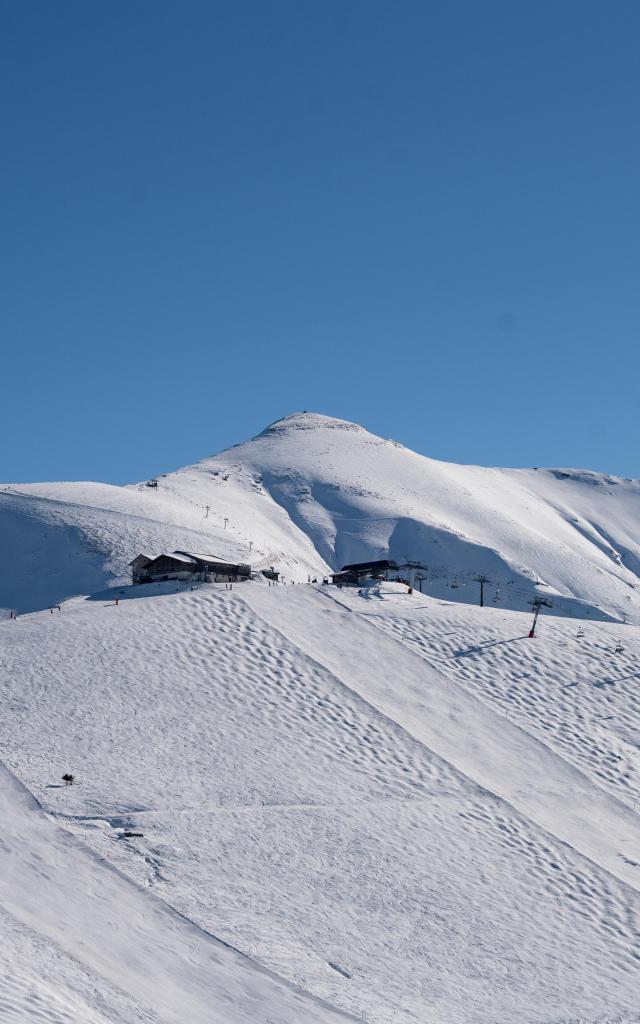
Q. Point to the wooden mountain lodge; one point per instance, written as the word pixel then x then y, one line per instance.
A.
pixel 358 573
pixel 184 565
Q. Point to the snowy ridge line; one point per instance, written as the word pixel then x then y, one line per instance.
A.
pixel 117 962
pixel 322 493
pixel 448 719
pixel 55 506
pixel 84 508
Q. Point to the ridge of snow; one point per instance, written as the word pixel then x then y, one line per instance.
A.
pixel 313 492
pixel 309 421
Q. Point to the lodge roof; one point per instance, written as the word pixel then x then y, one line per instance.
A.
pixel 145 558
pixel 187 558
pixel 377 566
pixel 194 556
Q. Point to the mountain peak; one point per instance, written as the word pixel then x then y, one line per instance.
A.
pixel 309 421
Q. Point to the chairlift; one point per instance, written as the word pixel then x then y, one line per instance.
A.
pixel 454 585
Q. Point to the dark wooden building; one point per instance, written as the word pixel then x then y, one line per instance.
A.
pixel 138 567
pixel 359 572
pixel 185 565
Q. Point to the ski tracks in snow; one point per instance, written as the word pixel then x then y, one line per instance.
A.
pixel 496 754
pixel 301 783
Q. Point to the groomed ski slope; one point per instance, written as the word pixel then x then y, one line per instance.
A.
pixel 401 805
pixel 311 493
pixel 82 943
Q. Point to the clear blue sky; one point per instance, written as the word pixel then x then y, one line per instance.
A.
pixel 424 217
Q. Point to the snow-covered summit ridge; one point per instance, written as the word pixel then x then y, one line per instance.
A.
pixel 313 492
pixel 309 421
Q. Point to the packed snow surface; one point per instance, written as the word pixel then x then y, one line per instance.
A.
pixel 403 807
pixel 84 943
pixel 311 493
pixel 301 804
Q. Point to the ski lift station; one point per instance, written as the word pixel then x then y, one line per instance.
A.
pixel 185 565
pixel 358 573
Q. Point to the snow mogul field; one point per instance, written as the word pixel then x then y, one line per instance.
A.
pixel 403 807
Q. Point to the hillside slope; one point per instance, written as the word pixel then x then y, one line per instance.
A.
pixel 312 492
pixel 403 806
pixel 93 947
pixel 358 496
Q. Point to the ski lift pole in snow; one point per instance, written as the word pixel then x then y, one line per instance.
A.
pixel 417 573
pixel 537 604
pixel 482 580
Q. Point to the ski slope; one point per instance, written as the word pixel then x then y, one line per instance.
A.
pixel 104 937
pixel 311 493
pixel 402 806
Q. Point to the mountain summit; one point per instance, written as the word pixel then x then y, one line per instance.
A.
pixel 309 421
pixel 311 493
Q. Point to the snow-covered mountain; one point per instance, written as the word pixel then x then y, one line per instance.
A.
pixel 306 804
pixel 311 493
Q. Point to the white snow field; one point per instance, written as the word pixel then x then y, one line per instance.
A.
pixel 93 947
pixel 303 804
pixel 312 492
pixel 402 806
